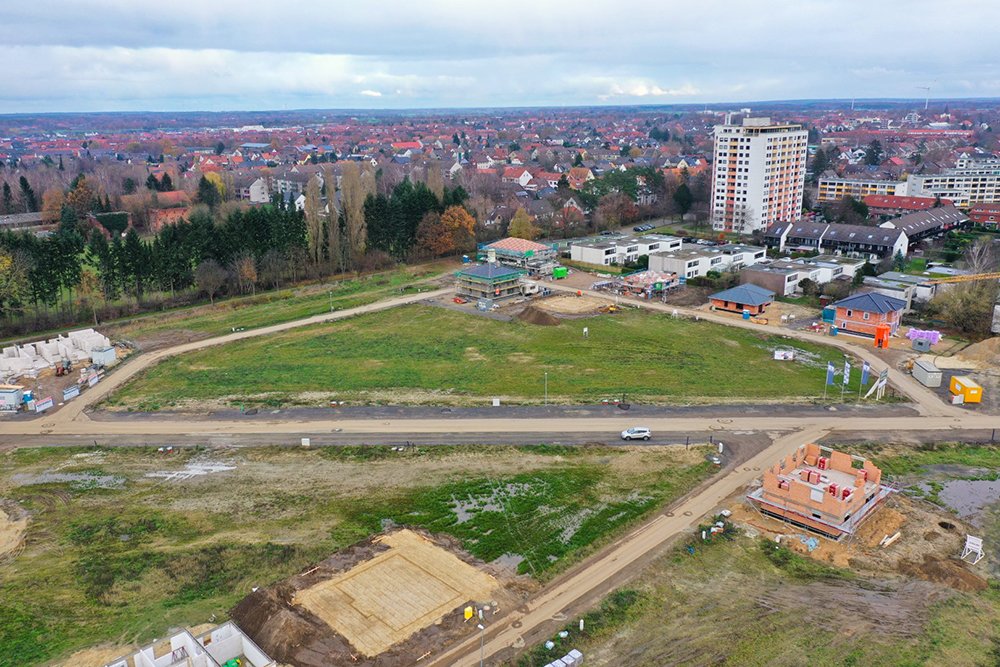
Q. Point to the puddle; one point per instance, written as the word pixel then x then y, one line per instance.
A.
pixel 969 497
pixel 191 470
pixel 77 480
pixel 509 561
pixel 467 507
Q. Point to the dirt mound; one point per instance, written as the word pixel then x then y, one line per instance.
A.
pixel 533 315
pixel 944 571
pixel 886 521
pixel 986 353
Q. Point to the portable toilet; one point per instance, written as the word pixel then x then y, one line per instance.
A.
pixel 926 373
pixel 746 314
pixel 966 387
pixel 882 333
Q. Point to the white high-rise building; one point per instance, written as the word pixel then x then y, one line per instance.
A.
pixel 758 174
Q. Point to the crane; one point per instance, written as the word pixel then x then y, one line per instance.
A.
pixel 927 98
pixel 966 279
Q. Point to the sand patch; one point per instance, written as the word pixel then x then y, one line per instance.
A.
pixel 95 657
pixel 521 358
pixel 569 304
pixel 386 599
pixel 13 525
pixel 473 354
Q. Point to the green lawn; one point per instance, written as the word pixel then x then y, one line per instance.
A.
pixel 124 564
pixel 286 305
pixel 422 354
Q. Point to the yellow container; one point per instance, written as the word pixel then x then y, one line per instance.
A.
pixel 969 389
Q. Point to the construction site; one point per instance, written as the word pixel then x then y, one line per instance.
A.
pixel 393 599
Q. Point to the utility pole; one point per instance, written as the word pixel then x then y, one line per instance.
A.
pixel 331 301
pixel 546 387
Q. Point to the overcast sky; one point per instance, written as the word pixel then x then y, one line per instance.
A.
pixel 109 55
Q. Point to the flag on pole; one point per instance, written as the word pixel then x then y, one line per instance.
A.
pixel 865 370
pixel 847 372
pixel 829 372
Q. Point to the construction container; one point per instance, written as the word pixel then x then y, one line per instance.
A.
pixel 921 344
pixel 966 387
pixel 927 373
pixel 103 356
pixel 560 272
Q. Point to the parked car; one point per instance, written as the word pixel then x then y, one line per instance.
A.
pixel 639 228
pixel 636 433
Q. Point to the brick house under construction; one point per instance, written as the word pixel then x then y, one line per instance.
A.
pixel 822 490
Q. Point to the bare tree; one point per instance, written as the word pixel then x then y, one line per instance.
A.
pixel 355 185
pixel 245 271
pixel 334 243
pixel 314 223
pixel 210 277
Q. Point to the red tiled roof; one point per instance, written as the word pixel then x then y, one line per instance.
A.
pixel 512 244
pixel 903 203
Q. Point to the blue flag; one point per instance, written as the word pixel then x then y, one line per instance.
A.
pixel 865 370
pixel 829 372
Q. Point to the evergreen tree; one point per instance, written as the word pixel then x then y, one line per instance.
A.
pixel 61 167
pixel 166 183
pixel 7 201
pixel 683 198
pixel 28 200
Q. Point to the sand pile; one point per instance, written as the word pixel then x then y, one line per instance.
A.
pixel 985 354
pixel 533 315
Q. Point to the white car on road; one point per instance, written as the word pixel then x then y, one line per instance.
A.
pixel 636 433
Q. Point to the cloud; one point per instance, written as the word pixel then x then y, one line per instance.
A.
pixel 230 54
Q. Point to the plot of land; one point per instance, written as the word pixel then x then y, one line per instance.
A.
pixel 383 601
pixel 123 562
pixel 420 355
pixel 748 602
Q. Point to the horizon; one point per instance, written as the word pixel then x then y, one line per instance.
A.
pixel 687 106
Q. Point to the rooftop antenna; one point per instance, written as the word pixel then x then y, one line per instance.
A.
pixel 927 99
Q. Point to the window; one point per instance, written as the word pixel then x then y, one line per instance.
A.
pixel 850 313
pixel 865 316
pixel 817 515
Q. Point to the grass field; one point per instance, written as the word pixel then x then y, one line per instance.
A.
pixel 422 354
pixel 113 555
pixel 286 305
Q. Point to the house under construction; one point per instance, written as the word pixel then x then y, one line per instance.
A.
pixel 821 490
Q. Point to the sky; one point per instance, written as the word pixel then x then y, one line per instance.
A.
pixel 214 55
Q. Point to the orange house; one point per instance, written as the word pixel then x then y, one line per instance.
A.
pixel 822 490
pixel 860 314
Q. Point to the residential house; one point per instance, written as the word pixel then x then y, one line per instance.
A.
pixel 522 253
pixel 931 222
pixel 822 490
pixel 490 282
pixel 860 313
pixel 987 215
pixel 872 241
pixel 748 298
pixel 693 260
pixel 777 277
pixel 621 250
pixel 252 188
pixel 893 205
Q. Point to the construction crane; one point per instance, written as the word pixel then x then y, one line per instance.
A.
pixel 927 99
pixel 966 279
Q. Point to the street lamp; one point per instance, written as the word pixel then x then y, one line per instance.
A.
pixel 331 301
pixel 482 642
pixel 546 387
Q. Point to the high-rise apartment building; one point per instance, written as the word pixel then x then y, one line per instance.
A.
pixel 758 174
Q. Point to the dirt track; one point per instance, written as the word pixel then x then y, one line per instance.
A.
pixel 548 610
